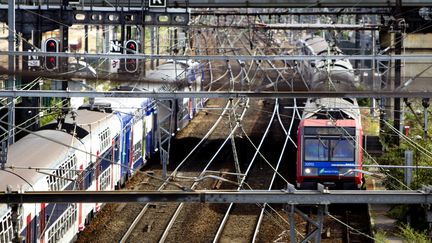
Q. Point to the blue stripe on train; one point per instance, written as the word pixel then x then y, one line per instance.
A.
pixel 149 145
pixel 327 168
pixel 327 164
pixel 138 163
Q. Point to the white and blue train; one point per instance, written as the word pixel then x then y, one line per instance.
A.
pixel 94 148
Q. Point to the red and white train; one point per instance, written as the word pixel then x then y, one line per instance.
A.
pixel 330 131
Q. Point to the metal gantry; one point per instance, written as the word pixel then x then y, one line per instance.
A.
pixel 239 3
pixel 166 111
pixel 10 84
pixel 76 55
pixel 217 94
pixel 294 197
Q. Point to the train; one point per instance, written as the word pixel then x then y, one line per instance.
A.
pixel 96 147
pixel 329 134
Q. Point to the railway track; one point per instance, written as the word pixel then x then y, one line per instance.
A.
pixel 170 222
pixel 352 222
pixel 177 181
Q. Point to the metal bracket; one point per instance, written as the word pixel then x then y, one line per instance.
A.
pixel 321 188
pixel 290 188
pixel 317 223
pixel 427 189
pixel 165 130
pixel 3 155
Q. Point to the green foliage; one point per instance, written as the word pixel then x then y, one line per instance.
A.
pixel 47 119
pixel 364 102
pixel 380 236
pixel 52 112
pixel 416 214
pixel 370 124
pixel 410 235
pixel 394 155
pixel 387 137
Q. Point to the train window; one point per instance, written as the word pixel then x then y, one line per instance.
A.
pixel 342 150
pixel 104 138
pixel 6 228
pixel 62 176
pixel 137 151
pixel 105 179
pixel 316 149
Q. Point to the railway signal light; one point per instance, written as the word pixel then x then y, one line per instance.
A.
pixel 131 64
pixel 51 62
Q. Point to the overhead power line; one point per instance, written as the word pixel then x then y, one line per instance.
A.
pixel 406 57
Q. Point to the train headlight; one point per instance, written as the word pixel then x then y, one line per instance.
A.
pixel 310 171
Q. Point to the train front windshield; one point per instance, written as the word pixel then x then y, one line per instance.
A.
pixel 329 149
pixel 325 155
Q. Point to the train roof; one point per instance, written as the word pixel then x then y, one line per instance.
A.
pixel 168 72
pixel 35 151
pixel 86 117
pixel 317 45
pixel 125 105
pixel 322 105
pixel 85 121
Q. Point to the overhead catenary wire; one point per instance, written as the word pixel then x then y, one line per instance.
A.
pixel 287 137
pixel 225 218
pixel 180 206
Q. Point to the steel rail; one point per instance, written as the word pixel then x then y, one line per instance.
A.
pixel 181 205
pixel 217 94
pixel 280 75
pixel 288 136
pixel 138 218
pixel 242 67
pixel 222 225
pixel 195 184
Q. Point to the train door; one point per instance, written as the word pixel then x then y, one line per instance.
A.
pixel 117 162
pixel 148 132
pixel 126 160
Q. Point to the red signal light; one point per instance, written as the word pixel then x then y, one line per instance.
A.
pixel 51 62
pixel 131 64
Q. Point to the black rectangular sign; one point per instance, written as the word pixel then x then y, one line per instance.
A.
pixel 157 3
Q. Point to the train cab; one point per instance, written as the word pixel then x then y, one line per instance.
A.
pixel 329 138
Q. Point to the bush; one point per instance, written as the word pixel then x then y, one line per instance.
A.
pixel 380 237
pixel 410 235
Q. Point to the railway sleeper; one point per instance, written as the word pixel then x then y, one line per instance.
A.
pixel 218 183
pixel 148 227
